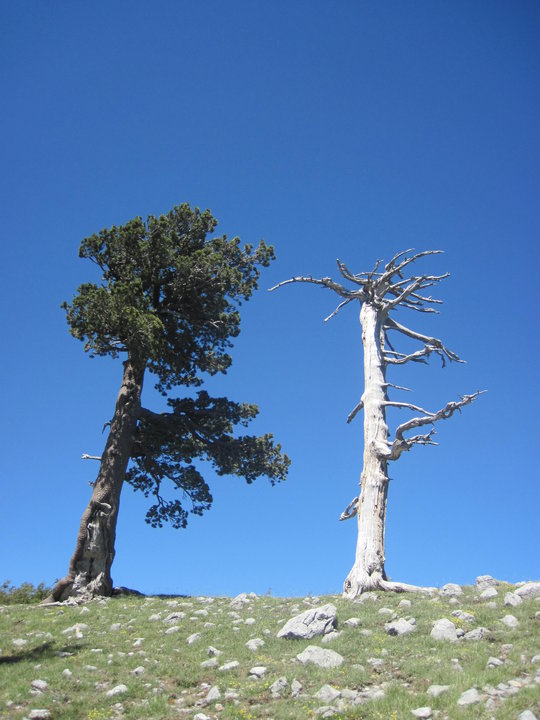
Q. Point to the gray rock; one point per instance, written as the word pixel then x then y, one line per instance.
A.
pixel 201 716
pixel 353 622
pixel 38 714
pixel 494 662
pixel 278 687
pixel 254 644
pixel 316 621
pixel 375 662
pixel 40 685
pixel 296 688
pixel 485 581
pixel 445 630
pixel 319 656
pixel 213 652
pixel 469 697
pixel 450 590
pixel 117 690
pixel 240 600
pixel 436 690
pixel 330 636
pixel 510 621
pixel 465 616
pixel 258 671
pixel 213 694
pixel 139 670
pixel 67 673
pixel 229 666
pixel 172 629
pixel 478 633
pixel 512 599
pixel 404 603
pixel 327 694
pixel 373 693
pixel 527 715
pixel 212 663
pixel 529 590
pixel 116 626
pixel 193 638
pixel 386 611
pixel 422 712
pixel 400 627
pixel 488 593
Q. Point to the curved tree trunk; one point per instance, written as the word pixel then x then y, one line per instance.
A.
pixel 368 570
pixel 89 573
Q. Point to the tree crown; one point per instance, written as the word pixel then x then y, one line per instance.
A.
pixel 169 294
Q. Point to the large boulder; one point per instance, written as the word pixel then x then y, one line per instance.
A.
pixel 315 621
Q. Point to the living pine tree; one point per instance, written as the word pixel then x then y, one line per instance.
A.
pixel 168 304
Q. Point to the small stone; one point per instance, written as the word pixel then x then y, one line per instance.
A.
pixel 19 642
pixel 375 662
pixel 229 666
pixel 172 629
pixel 139 670
pixel 527 715
pixel 436 690
pixel 327 694
pixel 117 690
pixel 319 656
pixel 529 590
pixel 422 712
pixel 40 685
pixel 278 687
pixel 444 630
pixel 469 697
pixel 450 590
pixel 201 716
pixel 249 621
pixel 296 688
pixel 494 662
pixel 331 636
pixel 67 673
pixel 154 617
pixel 483 582
pixel 461 615
pixel 404 603
pixel 193 638
pixel 38 714
pixel 478 633
pixel 510 621
pixel 254 644
pixel 212 663
pixel 213 694
pixel 488 593
pixel 400 627
pixel 116 626
pixel 512 599
pixel 258 671
pixel 214 652
pixel 385 611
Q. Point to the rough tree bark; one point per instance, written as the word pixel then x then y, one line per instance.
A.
pixel 89 573
pixel 380 292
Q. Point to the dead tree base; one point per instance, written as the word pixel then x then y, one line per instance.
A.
pixel 358 583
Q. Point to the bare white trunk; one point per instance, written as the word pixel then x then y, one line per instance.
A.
pixel 368 569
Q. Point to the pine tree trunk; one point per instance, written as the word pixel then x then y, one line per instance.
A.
pixel 368 570
pixel 89 573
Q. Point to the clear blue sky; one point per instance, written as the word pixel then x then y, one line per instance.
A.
pixel 330 129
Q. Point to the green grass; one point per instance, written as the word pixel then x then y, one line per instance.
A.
pixel 174 685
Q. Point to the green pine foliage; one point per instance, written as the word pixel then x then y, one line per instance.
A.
pixel 169 298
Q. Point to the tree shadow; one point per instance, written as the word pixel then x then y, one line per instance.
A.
pixel 43 652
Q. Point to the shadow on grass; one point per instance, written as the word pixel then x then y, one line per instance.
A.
pixel 43 652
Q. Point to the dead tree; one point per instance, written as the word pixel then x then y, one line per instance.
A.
pixel 380 292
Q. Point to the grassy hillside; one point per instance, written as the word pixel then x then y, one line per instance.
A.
pixel 148 657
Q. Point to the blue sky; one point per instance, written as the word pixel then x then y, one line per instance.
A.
pixel 330 129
